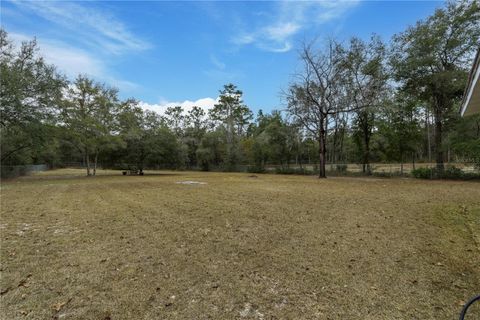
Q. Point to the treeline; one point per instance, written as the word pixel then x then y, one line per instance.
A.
pixel 353 102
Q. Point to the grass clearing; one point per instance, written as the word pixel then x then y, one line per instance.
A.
pixel 236 246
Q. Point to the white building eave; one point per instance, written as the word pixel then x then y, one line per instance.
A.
pixel 471 98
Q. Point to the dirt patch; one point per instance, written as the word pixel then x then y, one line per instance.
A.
pixel 190 182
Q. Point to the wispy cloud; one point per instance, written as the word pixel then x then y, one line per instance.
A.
pixel 73 61
pixel 187 105
pixel 274 38
pixel 218 71
pixel 291 17
pixel 282 31
pixel 330 10
pixel 93 26
pixel 217 63
pixel 68 59
pixel 87 41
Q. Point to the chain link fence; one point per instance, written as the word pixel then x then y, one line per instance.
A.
pixel 21 170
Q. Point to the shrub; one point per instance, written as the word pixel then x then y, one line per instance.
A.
pixel 423 173
pixel 204 158
pixel 384 174
pixel 301 171
pixel 471 176
pixel 281 170
pixel 256 169
pixel 451 172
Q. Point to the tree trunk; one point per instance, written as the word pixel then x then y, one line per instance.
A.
pixel 429 145
pixel 401 168
pixel 365 129
pixel 322 149
pixel 95 164
pixel 231 161
pixel 87 160
pixel 366 153
pixel 438 139
pixel 342 155
pixel 335 134
pixel 478 129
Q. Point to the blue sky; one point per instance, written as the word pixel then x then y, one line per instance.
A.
pixel 168 53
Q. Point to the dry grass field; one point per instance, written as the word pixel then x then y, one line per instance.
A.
pixel 237 247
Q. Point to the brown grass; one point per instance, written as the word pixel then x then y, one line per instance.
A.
pixel 237 247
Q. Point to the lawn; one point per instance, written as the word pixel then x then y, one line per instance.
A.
pixel 237 246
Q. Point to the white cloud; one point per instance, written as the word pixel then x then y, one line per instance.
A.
pixel 69 60
pixel 73 61
pixel 282 31
pixel 187 105
pixel 333 10
pixel 244 39
pixel 273 38
pixel 81 39
pixel 290 18
pixel 88 24
pixel 287 46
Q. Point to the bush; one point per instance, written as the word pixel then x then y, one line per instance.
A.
pixel 423 173
pixel 301 171
pixel 256 169
pixel 384 174
pixel 471 176
pixel 204 158
pixel 451 172
pixel 281 170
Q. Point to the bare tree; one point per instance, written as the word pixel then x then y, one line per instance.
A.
pixel 320 92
